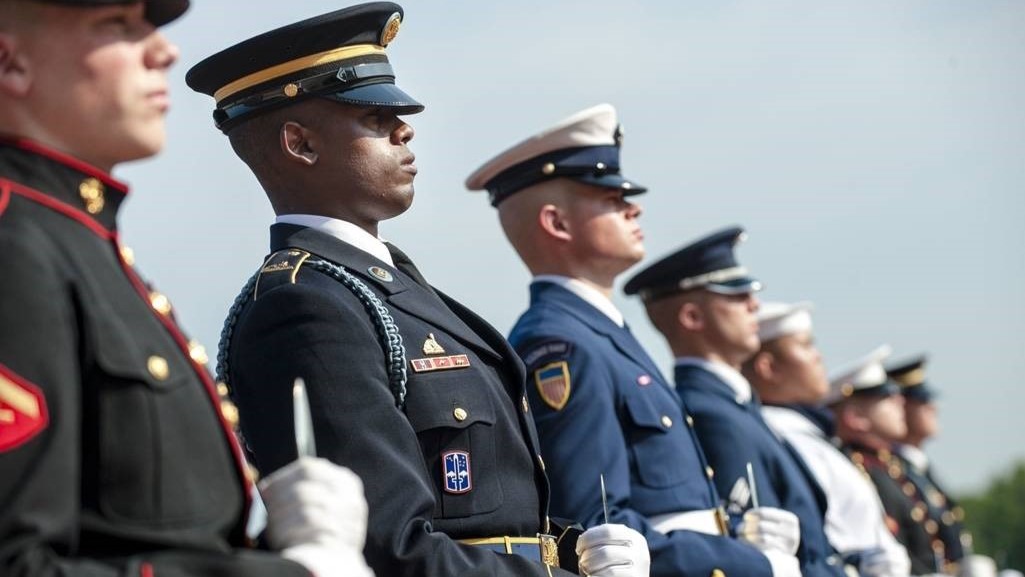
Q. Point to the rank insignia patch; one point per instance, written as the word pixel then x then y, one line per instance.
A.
pixel 553 384
pixel 22 410
pixel 439 363
pixel 457 472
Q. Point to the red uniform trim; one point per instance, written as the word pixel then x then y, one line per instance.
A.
pixel 63 208
pixel 70 161
pixel 208 382
pixel 22 428
pixel 5 195
pixel 146 570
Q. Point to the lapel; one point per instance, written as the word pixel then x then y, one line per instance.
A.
pixel 401 292
pixel 554 295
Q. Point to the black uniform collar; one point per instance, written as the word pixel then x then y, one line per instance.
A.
pixel 44 175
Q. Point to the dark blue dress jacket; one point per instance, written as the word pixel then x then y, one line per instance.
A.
pixel 734 434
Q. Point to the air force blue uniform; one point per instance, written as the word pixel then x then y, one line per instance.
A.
pixel 734 434
pixel 618 418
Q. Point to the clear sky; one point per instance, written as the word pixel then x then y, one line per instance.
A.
pixel 874 150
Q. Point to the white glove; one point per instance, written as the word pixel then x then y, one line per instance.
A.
pixel 613 551
pixel 1010 573
pixel 783 565
pixel 317 517
pixel 770 529
pixel 977 566
pixel 893 562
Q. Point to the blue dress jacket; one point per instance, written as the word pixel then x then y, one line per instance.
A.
pixel 734 434
pixel 620 419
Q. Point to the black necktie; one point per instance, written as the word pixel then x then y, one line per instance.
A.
pixel 405 265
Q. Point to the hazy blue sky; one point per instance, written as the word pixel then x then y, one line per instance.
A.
pixel 874 150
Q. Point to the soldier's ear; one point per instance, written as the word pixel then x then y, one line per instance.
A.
pixel 296 143
pixel 553 221
pixel 15 69
pixel 764 365
pixel 691 317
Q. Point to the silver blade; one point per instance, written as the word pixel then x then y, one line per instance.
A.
pixel 604 498
pixel 304 441
pixel 752 486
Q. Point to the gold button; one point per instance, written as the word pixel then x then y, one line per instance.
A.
pixel 690 421
pixel 666 421
pixel 230 413
pixel 908 488
pixel 526 405
pixel 718 573
pixel 931 527
pixel 158 367
pixel 948 518
pixel 160 303
pixel 917 515
pixel 222 389
pixel 198 353
pixel 127 255
pixel 91 191
pixel 894 471
pixel 709 471
pixel 459 414
pixel 548 168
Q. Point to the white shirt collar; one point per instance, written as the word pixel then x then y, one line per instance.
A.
pixel 917 457
pixel 343 231
pixel 741 388
pixel 786 419
pixel 588 293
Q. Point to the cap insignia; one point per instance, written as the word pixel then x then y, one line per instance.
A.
pixel 391 29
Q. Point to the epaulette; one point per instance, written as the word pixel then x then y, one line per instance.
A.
pixel 279 269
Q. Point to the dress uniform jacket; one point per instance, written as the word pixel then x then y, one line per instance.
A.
pixel 906 512
pixel 621 420
pixel 944 512
pixel 855 521
pixel 458 461
pixel 115 459
pixel 733 434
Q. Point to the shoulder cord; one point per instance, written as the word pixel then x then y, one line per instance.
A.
pixel 387 331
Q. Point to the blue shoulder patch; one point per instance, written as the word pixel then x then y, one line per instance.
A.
pixel 546 350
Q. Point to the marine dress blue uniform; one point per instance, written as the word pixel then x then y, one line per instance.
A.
pixel 603 408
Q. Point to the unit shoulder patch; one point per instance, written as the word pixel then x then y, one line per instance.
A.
pixel 553 384
pixel 23 413
pixel 280 268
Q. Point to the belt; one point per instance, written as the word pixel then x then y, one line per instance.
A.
pixel 542 548
pixel 708 521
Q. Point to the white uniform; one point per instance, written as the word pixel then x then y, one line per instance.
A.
pixel 854 519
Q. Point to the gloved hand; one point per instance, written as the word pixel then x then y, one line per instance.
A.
pixel 783 565
pixel 317 517
pixel 770 529
pixel 977 566
pixel 613 551
pixel 893 562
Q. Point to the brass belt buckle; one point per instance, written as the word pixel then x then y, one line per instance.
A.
pixel 549 550
pixel 722 521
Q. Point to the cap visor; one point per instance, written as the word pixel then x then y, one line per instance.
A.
pixel 160 12
pixel 735 286
pixel 384 94
pixel 611 181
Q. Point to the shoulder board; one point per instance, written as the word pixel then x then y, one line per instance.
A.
pixel 279 269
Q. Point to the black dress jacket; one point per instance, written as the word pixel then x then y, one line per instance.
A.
pixel 459 460
pixel 114 456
